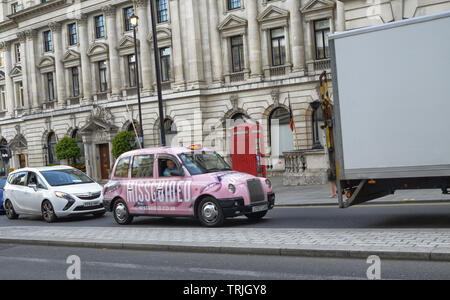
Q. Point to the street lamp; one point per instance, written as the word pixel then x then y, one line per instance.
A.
pixel 134 20
pixel 158 74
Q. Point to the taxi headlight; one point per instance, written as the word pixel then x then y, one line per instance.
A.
pixel 232 188
pixel 269 183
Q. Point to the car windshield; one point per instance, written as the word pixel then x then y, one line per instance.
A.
pixel 66 177
pixel 204 162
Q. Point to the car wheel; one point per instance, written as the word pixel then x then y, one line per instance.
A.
pixel 121 213
pixel 48 213
pixel 257 216
pixel 9 211
pixel 210 213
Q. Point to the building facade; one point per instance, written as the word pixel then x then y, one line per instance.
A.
pixel 67 68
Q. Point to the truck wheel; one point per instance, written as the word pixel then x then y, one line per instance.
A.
pixel 121 213
pixel 256 216
pixel 48 213
pixel 9 211
pixel 210 213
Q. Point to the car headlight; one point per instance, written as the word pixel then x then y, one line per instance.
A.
pixel 269 183
pixel 232 188
pixel 69 198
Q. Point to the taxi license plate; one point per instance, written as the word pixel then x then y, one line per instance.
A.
pixel 260 208
pixel 91 204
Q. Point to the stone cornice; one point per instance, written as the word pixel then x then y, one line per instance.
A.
pixel 39 9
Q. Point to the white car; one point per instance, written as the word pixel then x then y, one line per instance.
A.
pixel 52 192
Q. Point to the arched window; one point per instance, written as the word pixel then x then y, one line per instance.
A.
pixel 51 148
pixel 171 132
pixel 135 129
pixel 77 136
pixel 281 135
pixel 317 122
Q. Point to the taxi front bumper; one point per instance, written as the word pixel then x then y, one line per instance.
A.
pixel 235 207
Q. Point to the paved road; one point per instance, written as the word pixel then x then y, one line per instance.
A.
pixel 34 262
pixel 363 217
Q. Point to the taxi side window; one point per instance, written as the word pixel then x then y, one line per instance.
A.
pixel 122 168
pixel 143 166
pixel 163 165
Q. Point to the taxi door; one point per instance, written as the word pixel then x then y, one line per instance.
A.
pixel 174 189
pixel 141 189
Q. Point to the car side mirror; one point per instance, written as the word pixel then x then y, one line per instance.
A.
pixel 178 173
pixel 33 186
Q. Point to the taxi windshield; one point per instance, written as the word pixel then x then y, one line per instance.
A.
pixel 204 162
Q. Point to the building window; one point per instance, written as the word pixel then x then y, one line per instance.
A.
pixel 73 38
pixel 19 94
pixel 17 53
pixel 50 87
pixel 132 70
pixel 171 132
pixel 321 32
pixel 3 98
pixel 15 7
pixel 127 13
pixel 237 53
pixel 75 82
pixel 278 47
pixel 164 55
pixel 234 4
pixel 281 135
pixel 48 44
pixel 99 27
pixel 162 10
pixel 102 76
pixel 77 136
pixel 51 146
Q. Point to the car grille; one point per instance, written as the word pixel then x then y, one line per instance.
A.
pixel 89 197
pixel 255 191
pixel 82 208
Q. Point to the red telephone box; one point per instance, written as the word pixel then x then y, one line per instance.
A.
pixel 247 149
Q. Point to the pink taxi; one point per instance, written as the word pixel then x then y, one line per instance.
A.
pixel 192 181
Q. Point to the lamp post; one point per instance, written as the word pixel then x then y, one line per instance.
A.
pixel 158 74
pixel 134 23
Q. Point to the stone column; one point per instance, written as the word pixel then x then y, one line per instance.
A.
pixel 226 59
pixel 177 46
pixel 31 47
pixel 145 49
pixel 59 67
pixel 340 16
pixel 254 39
pixel 114 67
pixel 309 47
pixel 85 62
pixel 194 43
pixel 24 65
pixel 298 43
pixel 9 85
pixel 216 53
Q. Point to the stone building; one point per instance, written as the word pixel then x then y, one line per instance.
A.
pixel 67 69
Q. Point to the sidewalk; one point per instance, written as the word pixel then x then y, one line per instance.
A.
pixel 320 195
pixel 414 244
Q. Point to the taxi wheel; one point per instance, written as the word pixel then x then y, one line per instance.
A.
pixel 210 213
pixel 257 216
pixel 121 213
pixel 48 213
pixel 9 211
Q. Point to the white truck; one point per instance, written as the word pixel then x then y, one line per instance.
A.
pixel 389 125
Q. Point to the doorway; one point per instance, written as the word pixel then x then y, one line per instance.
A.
pixel 105 163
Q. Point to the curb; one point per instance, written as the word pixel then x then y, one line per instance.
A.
pixel 419 254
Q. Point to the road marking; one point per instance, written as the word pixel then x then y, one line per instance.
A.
pixel 367 205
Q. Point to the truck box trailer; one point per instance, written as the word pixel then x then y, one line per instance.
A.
pixel 389 125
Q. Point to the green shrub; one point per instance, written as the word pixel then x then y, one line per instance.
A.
pixel 67 148
pixel 122 143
